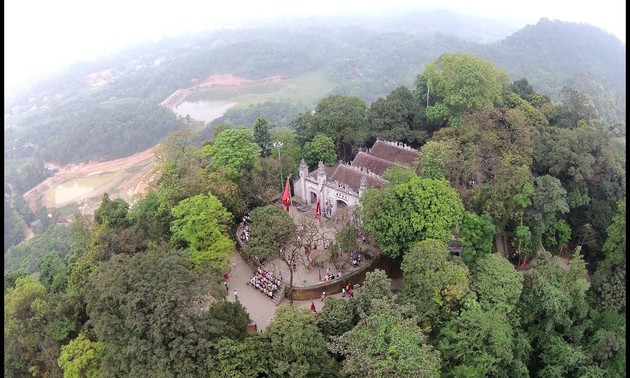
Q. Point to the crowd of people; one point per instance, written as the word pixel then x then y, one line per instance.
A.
pixel 330 276
pixel 356 258
pixel 246 230
pixel 266 282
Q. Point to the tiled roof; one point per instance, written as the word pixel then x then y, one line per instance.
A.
pixel 394 153
pixel 371 162
pixel 377 160
pixel 329 171
pixel 352 177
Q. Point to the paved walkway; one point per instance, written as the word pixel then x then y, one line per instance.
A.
pixel 259 307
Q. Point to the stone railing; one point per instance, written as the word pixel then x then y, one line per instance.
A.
pixel 356 277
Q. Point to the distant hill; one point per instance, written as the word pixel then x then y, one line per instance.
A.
pixel 564 50
pixel 554 54
pixel 369 59
pixel 430 22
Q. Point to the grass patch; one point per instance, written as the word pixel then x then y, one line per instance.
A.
pixel 69 209
pixel 305 88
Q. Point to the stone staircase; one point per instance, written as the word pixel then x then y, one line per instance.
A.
pixel 278 296
pixel 500 245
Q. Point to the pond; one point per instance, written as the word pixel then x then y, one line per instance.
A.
pixel 78 189
pixel 205 111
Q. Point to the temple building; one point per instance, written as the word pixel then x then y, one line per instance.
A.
pixel 341 185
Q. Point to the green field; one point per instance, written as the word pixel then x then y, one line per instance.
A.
pixel 306 88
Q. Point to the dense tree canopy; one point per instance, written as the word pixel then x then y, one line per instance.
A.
pixel 398 117
pixel 271 230
pixel 433 281
pixel 496 282
pixel 342 118
pixel 113 298
pixel 387 344
pixel 148 310
pixel 477 343
pixel 234 151
pixel 262 135
pixel 321 148
pixel 201 224
pixel 298 347
pixel 458 82
pixel 406 213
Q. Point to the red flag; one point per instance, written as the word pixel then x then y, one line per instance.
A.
pixel 286 197
pixel 318 211
pixel 523 263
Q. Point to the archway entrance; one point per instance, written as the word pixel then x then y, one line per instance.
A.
pixel 313 198
pixel 341 204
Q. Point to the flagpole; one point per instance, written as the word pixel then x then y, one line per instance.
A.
pixel 278 145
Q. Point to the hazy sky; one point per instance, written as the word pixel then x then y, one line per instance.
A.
pixel 42 35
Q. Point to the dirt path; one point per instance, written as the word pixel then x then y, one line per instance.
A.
pixel 134 182
pixel 28 233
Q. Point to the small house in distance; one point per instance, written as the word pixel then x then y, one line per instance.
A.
pixel 341 185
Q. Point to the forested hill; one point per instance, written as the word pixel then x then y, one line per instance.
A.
pixel 358 60
pixel 554 54
pixel 564 50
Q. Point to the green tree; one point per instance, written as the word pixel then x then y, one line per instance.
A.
pixel 321 148
pixel 53 272
pixel 11 277
pixel 342 118
pixel 458 82
pixel 274 235
pixel 30 347
pixel 607 345
pixel 433 281
pixel 477 236
pixel 399 174
pixel 548 202
pixel 406 213
pixel 553 310
pixel 202 224
pixel 234 151
pixel 576 106
pixel 260 188
pixel 247 358
pixel 347 239
pixel 610 276
pixel 335 318
pixel 81 357
pixel 262 135
pixel 376 286
pixel 112 213
pixel 523 88
pixel 150 219
pixel 149 311
pixel 271 231
pixel 297 346
pixel 387 344
pixel 476 343
pixel 434 156
pixel 496 282
pixel 397 117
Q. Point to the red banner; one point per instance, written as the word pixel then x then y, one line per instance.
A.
pixel 286 197
pixel 318 211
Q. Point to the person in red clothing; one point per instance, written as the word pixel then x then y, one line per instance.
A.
pixel 313 306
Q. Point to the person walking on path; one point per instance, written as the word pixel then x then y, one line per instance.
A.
pixel 227 287
pixel 235 295
pixel 313 307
